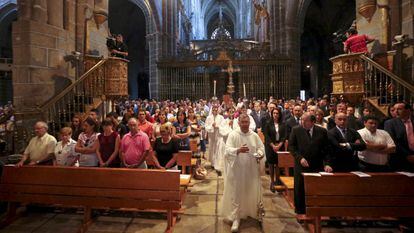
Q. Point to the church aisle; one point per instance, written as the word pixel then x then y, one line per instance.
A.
pixel 201 215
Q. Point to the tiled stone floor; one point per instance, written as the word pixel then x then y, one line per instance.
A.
pixel 202 208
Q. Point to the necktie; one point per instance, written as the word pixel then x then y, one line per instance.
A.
pixel 309 133
pixel 344 133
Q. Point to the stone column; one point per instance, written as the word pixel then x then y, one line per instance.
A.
pixel 385 23
pixel 155 47
pixel 55 13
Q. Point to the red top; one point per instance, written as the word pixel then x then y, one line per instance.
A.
pixel 357 43
pixel 107 146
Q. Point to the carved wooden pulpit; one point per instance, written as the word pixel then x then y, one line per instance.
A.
pixel 115 75
pixel 348 77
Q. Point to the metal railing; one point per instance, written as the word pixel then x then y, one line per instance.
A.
pixel 74 98
pixel 382 84
pixel 195 79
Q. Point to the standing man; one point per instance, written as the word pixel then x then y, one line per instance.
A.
pixel 402 132
pixel 345 142
pixel 267 117
pixel 135 146
pixel 41 148
pixel 242 186
pixel 213 123
pixel 119 48
pixel 379 146
pixel 257 115
pixel 308 144
pixel 356 43
pixel 144 125
pixel 295 119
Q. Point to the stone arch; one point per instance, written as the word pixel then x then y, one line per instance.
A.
pixel 301 15
pixel 210 10
pixel 153 41
pixel 8 14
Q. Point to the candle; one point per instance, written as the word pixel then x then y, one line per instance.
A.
pixel 244 89
pixel 214 87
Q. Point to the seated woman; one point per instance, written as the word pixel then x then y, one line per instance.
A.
pixel 87 144
pixel 108 146
pixel 65 154
pixel 164 148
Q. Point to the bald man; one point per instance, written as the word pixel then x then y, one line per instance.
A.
pixel 41 148
pixel 307 143
pixel 345 143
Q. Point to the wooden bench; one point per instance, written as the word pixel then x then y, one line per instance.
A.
pixel 286 162
pixel 184 159
pixel 348 195
pixel 92 188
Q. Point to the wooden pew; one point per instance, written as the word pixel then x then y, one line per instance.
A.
pixel 286 162
pixel 92 188
pixel 184 160
pixel 194 149
pixel 348 195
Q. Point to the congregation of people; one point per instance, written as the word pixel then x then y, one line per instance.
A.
pixel 323 135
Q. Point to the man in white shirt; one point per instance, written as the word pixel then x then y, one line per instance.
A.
pixel 41 148
pixel 379 146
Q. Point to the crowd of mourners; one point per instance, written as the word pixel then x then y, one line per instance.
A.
pixel 325 134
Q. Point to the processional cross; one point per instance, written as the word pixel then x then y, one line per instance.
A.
pixel 230 70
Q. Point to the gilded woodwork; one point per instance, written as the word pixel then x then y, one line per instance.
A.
pixel 348 76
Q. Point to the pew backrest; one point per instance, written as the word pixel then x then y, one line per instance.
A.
pixel 346 194
pixel 92 187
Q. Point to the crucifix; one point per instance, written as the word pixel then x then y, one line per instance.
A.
pixel 230 70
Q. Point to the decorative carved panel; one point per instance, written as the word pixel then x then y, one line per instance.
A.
pixel 348 76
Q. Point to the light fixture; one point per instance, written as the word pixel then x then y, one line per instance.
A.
pixel 100 17
pixel 308 66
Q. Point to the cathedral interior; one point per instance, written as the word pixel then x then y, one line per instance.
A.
pixel 54 61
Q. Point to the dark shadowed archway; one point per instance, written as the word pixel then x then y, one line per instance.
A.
pixel 322 19
pixel 128 19
pixel 8 14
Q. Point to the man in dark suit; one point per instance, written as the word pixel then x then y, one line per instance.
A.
pixel 401 131
pixel 267 117
pixel 307 143
pixel 286 113
pixel 353 122
pixel 257 115
pixel 295 120
pixel 345 144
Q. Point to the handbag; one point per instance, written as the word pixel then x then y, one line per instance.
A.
pixel 200 173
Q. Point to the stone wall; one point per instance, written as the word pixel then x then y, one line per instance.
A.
pixel 43 35
pixel 401 21
pixel 407 27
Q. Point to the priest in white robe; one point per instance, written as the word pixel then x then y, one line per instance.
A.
pixel 243 110
pixel 244 165
pixel 215 139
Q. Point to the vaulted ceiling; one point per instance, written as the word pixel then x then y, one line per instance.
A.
pixel 237 17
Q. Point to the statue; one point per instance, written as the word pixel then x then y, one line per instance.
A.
pixel 261 22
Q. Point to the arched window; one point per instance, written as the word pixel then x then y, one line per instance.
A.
pixel 220 32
